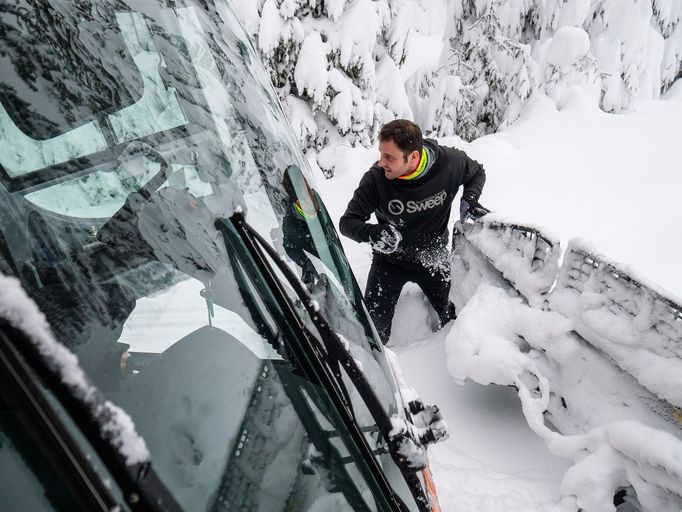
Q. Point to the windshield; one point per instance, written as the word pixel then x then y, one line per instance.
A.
pixel 129 133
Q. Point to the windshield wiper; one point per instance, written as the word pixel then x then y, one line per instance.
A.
pixel 406 442
pixel 142 488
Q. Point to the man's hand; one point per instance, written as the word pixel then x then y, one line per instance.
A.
pixel 469 206
pixel 384 238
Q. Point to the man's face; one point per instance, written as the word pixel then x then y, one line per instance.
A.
pixel 392 160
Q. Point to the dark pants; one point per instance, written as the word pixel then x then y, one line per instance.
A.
pixel 385 282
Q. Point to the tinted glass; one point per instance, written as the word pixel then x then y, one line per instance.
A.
pixel 26 482
pixel 32 476
pixel 128 132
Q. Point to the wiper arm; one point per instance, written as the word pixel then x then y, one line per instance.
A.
pixel 404 439
pixel 332 343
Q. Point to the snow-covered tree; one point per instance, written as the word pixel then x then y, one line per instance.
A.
pixel 566 61
pixel 335 64
pixel 501 52
pixel 485 74
pixel 668 17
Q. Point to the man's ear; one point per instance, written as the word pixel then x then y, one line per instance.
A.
pixel 414 157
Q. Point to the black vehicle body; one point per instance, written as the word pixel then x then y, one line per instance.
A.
pixel 146 174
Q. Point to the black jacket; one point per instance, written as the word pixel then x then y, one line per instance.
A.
pixel 419 209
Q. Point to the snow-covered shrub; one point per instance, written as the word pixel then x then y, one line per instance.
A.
pixel 566 60
pixel 668 17
pixel 335 64
pixel 501 52
pixel 484 75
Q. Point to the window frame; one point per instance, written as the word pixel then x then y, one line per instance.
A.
pixel 53 439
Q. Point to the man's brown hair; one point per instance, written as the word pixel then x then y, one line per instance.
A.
pixel 406 135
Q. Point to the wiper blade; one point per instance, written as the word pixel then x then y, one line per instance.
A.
pixel 400 435
pixel 142 488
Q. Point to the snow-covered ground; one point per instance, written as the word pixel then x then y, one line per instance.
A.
pixel 612 180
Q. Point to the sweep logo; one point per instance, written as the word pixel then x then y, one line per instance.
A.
pixel 396 206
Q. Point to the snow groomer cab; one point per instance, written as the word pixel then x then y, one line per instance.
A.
pixel 179 326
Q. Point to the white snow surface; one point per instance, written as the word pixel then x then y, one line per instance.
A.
pixel 574 171
pixel 311 60
pixel 567 46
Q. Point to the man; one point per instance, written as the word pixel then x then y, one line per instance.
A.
pixel 301 208
pixel 410 190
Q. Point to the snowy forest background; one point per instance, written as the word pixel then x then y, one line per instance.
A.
pixel 341 67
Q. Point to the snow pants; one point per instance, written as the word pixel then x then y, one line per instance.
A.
pixel 385 282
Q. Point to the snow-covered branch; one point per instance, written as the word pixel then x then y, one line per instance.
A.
pixel 337 63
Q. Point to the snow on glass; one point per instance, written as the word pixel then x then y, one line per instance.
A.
pixel 23 314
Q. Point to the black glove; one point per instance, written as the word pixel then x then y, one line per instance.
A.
pixel 384 238
pixel 469 206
